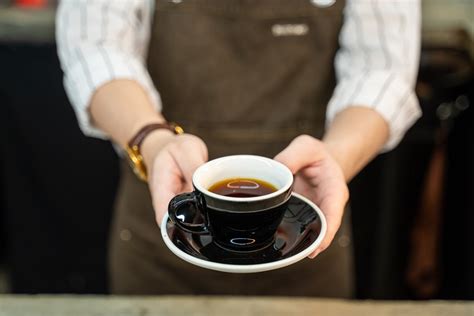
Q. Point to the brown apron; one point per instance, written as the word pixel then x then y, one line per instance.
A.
pixel 247 76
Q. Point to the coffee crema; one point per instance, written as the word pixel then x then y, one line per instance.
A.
pixel 242 187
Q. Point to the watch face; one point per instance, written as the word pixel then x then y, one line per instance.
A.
pixel 140 174
pixel 135 161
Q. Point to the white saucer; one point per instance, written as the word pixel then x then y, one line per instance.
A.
pixel 300 233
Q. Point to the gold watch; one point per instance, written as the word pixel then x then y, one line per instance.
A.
pixel 134 155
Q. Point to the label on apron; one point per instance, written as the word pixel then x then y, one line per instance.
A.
pixel 246 76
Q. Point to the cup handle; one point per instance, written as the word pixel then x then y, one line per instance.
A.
pixel 183 209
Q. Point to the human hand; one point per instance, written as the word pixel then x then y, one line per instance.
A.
pixel 318 177
pixel 172 168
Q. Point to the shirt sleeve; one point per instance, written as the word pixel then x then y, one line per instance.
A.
pixel 99 41
pixel 377 63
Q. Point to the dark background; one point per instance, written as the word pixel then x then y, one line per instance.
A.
pixel 386 195
pixel 57 186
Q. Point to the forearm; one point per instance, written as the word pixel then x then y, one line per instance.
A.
pixel 120 108
pixel 355 137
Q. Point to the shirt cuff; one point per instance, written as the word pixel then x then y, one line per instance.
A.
pixel 87 75
pixel 388 94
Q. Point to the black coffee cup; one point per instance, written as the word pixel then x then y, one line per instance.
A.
pixel 235 223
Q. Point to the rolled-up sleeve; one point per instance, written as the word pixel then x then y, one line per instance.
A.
pixel 377 63
pixel 99 41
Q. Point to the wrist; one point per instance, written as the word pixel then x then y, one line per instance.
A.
pixel 146 143
pixel 153 144
pixel 339 153
pixel 354 137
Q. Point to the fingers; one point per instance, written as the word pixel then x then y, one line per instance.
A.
pixel 301 152
pixel 175 166
pixel 333 209
pixel 323 181
pixel 165 184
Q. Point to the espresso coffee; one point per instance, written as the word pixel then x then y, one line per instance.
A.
pixel 242 187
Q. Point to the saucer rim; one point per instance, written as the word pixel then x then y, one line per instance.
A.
pixel 250 268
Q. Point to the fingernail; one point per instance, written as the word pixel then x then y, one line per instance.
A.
pixel 314 254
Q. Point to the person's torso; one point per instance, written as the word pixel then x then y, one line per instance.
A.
pixel 245 75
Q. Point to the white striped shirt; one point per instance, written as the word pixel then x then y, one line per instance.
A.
pixel 376 64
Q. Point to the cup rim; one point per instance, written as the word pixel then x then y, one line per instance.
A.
pixel 216 196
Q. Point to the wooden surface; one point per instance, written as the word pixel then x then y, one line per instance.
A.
pixel 212 306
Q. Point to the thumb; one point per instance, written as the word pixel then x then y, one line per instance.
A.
pixel 301 152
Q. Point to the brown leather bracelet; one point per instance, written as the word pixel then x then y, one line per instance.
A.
pixel 140 136
pixel 134 151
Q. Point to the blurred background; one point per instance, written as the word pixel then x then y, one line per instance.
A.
pixel 412 208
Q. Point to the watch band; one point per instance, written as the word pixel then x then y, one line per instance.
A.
pixel 140 136
pixel 133 148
